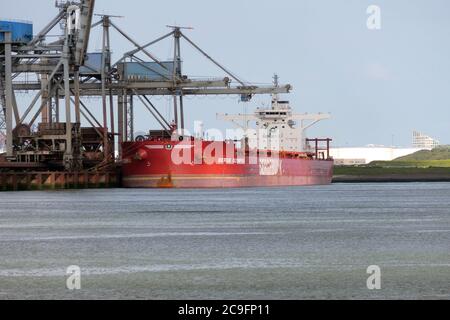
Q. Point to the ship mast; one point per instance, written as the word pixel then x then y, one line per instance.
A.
pixel 275 96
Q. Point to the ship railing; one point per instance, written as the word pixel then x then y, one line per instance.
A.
pixel 321 148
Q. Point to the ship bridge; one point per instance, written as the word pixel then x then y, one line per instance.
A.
pixel 277 124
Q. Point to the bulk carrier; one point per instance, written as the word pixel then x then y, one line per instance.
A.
pixel 276 153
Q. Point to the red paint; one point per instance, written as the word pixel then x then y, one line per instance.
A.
pixel 141 154
pixel 157 170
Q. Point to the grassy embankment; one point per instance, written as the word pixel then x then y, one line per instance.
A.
pixel 421 166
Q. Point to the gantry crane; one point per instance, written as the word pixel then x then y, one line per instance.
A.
pixel 67 72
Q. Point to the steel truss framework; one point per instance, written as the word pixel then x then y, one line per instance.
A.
pixel 58 66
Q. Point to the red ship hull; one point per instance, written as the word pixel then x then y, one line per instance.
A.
pixel 150 164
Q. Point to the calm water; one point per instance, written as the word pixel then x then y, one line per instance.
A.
pixel 294 243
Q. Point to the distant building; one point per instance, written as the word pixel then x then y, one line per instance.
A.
pixel 365 155
pixel 423 141
pixel 350 162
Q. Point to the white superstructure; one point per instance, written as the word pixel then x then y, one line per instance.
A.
pixel 277 127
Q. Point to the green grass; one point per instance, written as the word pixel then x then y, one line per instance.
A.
pixel 378 171
pixel 439 153
pixel 435 163
pixel 436 158
pixel 411 164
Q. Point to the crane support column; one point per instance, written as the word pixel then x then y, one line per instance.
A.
pixel 120 122
pixel 8 95
pixel 179 75
pixel 76 82
pixel 131 118
pixel 44 98
pixel 68 154
pixel 106 146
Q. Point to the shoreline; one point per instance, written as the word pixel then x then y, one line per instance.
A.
pixel 390 174
pixel 388 179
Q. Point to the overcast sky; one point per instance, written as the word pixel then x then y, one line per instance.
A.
pixel 378 85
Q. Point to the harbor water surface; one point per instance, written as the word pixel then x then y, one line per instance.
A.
pixel 282 243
